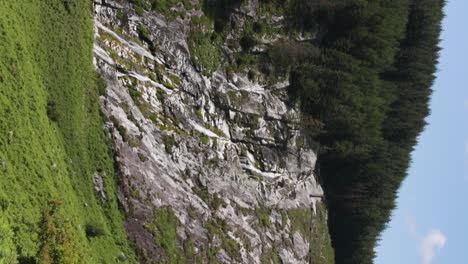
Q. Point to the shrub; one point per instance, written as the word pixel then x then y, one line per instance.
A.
pixel 119 14
pixel 263 215
pixel 141 6
pixel 205 53
pixel 68 5
pixel 188 248
pixel 94 229
pixel 144 35
pixel 215 202
pixel 142 157
pixel 134 93
pixel 257 27
pixel 169 143
pixel 204 140
pixel 57 244
pixel 52 112
pixel 247 42
pixel 139 10
pixel 218 227
pixel 143 32
pixel 101 84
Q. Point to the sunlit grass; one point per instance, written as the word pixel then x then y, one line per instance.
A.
pixel 52 139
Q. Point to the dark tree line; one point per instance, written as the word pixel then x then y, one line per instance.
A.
pixel 368 87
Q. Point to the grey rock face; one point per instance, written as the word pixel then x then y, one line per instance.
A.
pixel 182 139
pixel 99 186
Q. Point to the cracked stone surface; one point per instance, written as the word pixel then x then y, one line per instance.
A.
pixel 177 131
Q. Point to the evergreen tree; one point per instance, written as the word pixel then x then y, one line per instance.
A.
pixel 369 88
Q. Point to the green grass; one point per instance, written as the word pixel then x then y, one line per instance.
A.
pixel 321 249
pixel 204 51
pixel 204 139
pixel 270 255
pixel 164 228
pixel 7 247
pixel 46 166
pixel 169 143
pixel 313 228
pixel 218 227
pixel 300 221
pixel 263 215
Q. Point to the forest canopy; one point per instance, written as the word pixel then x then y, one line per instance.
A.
pixel 365 95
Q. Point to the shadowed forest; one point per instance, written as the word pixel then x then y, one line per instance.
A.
pixel 364 93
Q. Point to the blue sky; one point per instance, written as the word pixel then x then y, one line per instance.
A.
pixel 430 225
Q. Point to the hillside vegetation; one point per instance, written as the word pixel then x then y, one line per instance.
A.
pixel 52 140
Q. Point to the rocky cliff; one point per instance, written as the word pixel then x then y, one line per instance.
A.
pixel 212 160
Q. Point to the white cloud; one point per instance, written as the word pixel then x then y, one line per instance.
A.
pixel 434 240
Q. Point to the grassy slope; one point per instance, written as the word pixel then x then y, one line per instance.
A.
pixel 46 56
pixel 321 249
pixel 314 228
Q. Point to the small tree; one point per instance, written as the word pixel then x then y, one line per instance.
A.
pixel 94 230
